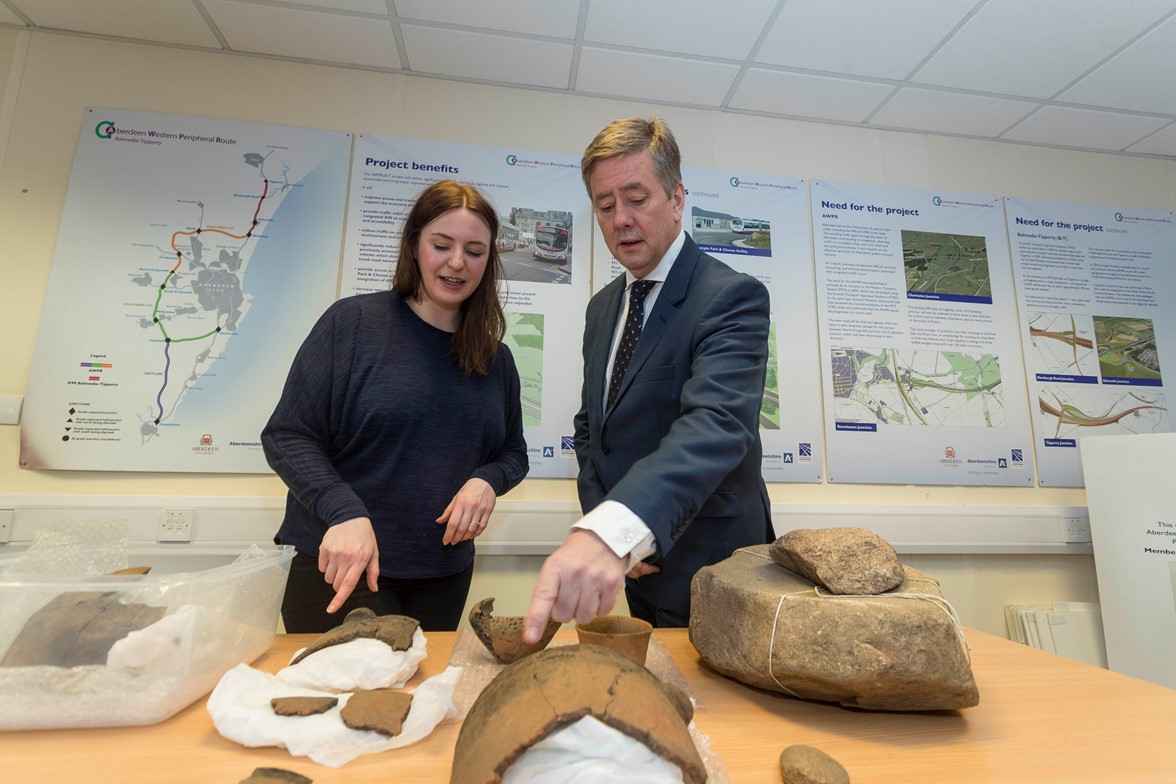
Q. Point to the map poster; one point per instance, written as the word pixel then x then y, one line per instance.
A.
pixel 543 241
pixel 758 225
pixel 920 353
pixel 1094 286
pixel 192 258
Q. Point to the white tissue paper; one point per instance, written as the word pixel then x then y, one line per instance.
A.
pixel 589 752
pixel 241 711
pixel 363 663
pixel 164 641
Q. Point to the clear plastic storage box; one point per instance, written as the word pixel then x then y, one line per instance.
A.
pixel 190 627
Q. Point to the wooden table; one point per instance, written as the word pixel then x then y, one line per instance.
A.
pixel 1041 718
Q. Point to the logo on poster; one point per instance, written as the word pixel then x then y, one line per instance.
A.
pixel 205 447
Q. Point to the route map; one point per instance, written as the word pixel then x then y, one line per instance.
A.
pixel 929 388
pixel 173 312
pixel 1063 344
pixel 1070 412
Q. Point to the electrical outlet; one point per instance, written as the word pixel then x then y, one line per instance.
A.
pixel 1076 529
pixel 10 409
pixel 175 525
pixel 7 517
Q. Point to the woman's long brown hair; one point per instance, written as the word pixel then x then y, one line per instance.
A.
pixel 482 324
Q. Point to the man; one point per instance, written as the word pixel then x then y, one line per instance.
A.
pixel 669 471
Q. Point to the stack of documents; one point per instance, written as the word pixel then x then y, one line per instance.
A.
pixel 1070 629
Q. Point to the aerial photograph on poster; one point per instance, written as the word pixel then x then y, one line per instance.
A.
pixel 524 338
pixel 770 410
pixel 1127 350
pixel 950 267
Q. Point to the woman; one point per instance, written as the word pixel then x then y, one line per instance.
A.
pixel 399 426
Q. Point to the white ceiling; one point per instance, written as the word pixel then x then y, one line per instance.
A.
pixel 1082 74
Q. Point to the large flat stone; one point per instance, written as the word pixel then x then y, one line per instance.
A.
pixel 753 620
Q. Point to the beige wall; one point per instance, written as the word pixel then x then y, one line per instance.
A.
pixel 47 81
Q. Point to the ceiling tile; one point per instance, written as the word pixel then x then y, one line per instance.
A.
pixel 938 111
pixel 814 97
pixel 885 40
pixel 7 17
pixel 496 58
pixel 538 17
pixel 1036 49
pixel 1058 125
pixel 167 21
pixel 653 77
pixel 361 6
pixel 305 35
pixel 684 26
pixel 1162 143
pixel 1129 80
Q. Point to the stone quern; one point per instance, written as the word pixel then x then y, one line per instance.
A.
pixel 768 627
pixel 843 560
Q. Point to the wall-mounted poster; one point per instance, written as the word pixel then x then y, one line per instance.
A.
pixel 543 241
pixel 1099 335
pixel 919 346
pixel 192 258
pixel 758 224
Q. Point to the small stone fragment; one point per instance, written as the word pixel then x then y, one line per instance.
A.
pixel 843 560
pixel 801 764
pixel 379 710
pixel 395 630
pixel 302 706
pixel 276 776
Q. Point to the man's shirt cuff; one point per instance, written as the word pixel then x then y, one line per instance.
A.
pixel 623 531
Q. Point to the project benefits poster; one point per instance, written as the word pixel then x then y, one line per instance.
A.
pixel 919 346
pixel 758 224
pixel 1094 286
pixel 192 258
pixel 543 242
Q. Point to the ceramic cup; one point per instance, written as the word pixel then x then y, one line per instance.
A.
pixel 626 635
